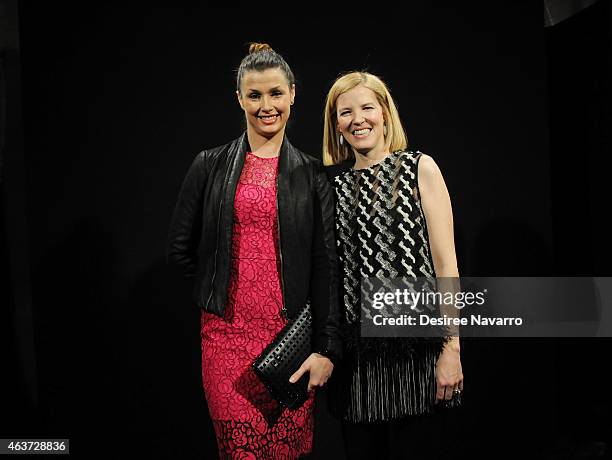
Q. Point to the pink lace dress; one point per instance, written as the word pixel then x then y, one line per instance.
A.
pixel 248 423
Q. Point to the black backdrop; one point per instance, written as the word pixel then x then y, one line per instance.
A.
pixel 117 102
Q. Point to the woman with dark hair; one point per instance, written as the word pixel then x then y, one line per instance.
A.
pixel 393 220
pixel 254 226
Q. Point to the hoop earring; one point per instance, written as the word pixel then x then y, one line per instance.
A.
pixel 341 140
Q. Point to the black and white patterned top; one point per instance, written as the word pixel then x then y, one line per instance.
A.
pixel 380 225
pixel 382 233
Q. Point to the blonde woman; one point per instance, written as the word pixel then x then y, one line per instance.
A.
pixel 393 219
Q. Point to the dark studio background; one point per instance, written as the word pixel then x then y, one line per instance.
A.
pixel 103 110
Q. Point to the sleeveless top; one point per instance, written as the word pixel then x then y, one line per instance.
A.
pixel 382 233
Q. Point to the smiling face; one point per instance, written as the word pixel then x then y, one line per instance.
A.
pixel 360 120
pixel 266 99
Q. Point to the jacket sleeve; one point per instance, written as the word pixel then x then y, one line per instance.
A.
pixel 186 224
pixel 324 276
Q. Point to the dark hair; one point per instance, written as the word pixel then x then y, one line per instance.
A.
pixel 262 57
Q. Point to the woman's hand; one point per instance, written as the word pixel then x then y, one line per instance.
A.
pixel 439 216
pixel 319 367
pixel 449 375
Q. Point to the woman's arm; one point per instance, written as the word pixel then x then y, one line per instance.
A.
pixel 439 216
pixel 186 223
pixel 323 287
pixel 324 271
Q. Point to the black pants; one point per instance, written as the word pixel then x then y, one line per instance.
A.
pixel 422 437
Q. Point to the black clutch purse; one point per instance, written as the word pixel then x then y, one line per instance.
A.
pixel 284 356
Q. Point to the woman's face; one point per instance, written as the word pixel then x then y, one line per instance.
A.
pixel 360 120
pixel 266 100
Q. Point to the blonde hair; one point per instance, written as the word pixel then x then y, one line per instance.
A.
pixel 395 139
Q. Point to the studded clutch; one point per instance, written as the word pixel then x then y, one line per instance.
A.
pixel 289 349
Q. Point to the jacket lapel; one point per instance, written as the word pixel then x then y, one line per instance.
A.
pixel 235 161
pixel 283 179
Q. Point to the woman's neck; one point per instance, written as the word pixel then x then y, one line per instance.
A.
pixel 372 158
pixel 265 147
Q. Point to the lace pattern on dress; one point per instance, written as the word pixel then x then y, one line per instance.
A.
pixel 259 171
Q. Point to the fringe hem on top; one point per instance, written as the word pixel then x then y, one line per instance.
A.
pixel 385 387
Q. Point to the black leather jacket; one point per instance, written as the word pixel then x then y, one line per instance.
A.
pixel 200 236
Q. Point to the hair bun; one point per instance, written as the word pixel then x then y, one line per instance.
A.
pixel 257 47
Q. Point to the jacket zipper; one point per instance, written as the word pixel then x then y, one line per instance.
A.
pixel 280 252
pixel 212 283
